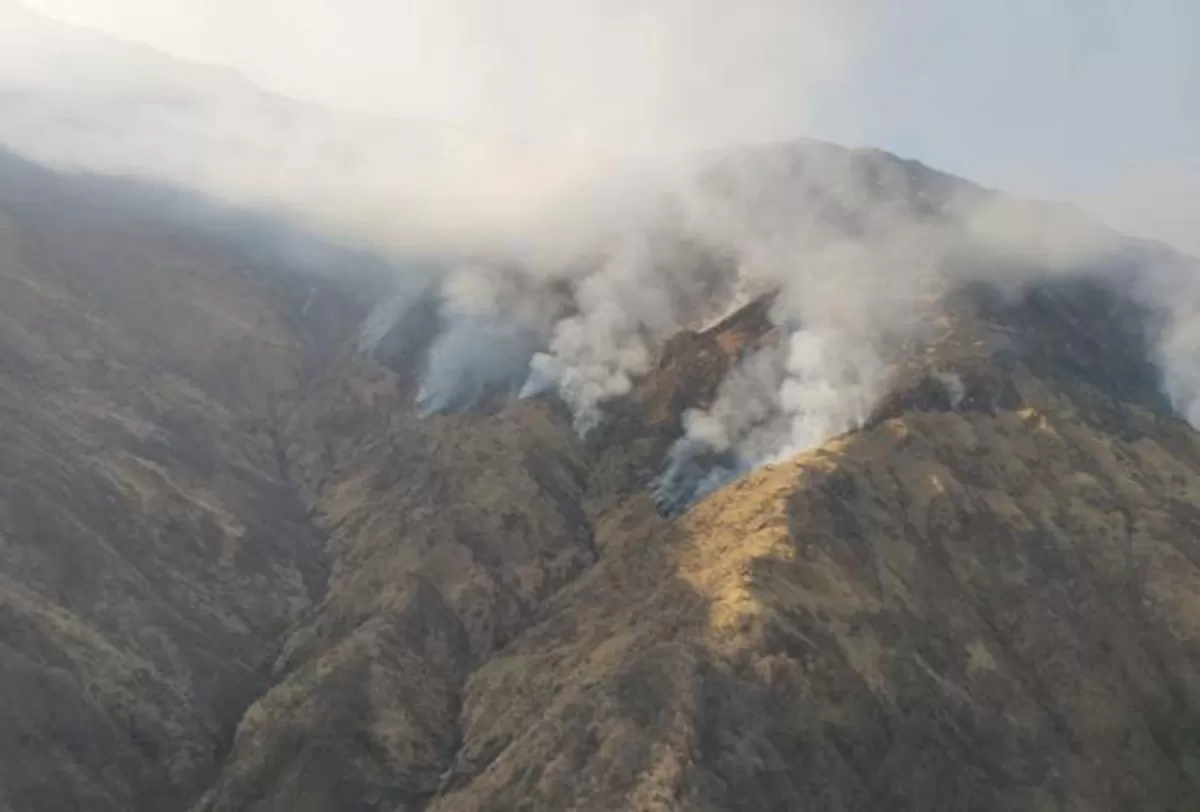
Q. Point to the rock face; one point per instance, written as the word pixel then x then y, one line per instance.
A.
pixel 238 572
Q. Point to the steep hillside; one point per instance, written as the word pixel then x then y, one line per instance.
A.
pixel 239 572
pixel 983 607
pixel 447 537
pixel 151 548
pixel 982 602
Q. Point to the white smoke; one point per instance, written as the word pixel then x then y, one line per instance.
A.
pixel 856 242
pixel 747 407
pixel 1179 357
pixel 781 400
pixel 831 385
pixel 860 248
pixel 652 282
pixel 857 245
pixel 594 354
pixel 1169 285
pixel 842 235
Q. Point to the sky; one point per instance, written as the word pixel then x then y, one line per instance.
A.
pixel 1094 101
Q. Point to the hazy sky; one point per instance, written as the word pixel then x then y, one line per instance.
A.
pixel 1093 100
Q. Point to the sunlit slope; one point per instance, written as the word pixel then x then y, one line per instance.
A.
pixel 238 571
pixel 949 610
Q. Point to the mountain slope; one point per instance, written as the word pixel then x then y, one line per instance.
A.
pixel 239 572
pixel 950 610
pixel 983 604
pixel 151 547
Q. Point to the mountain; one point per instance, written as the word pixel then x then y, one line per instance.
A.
pixel 250 561
pixel 240 572
pixel 139 361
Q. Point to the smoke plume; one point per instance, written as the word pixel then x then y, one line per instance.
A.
pixel 559 198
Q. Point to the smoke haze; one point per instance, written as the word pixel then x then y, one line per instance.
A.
pixel 573 183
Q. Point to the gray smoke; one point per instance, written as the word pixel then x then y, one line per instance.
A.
pixel 693 470
pixel 493 321
pixel 381 320
pixel 557 262
pixel 956 390
pixel 472 333
pixel 477 355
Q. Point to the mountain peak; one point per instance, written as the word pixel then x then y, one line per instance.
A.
pixel 851 528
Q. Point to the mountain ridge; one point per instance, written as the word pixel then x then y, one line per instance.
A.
pixel 242 573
